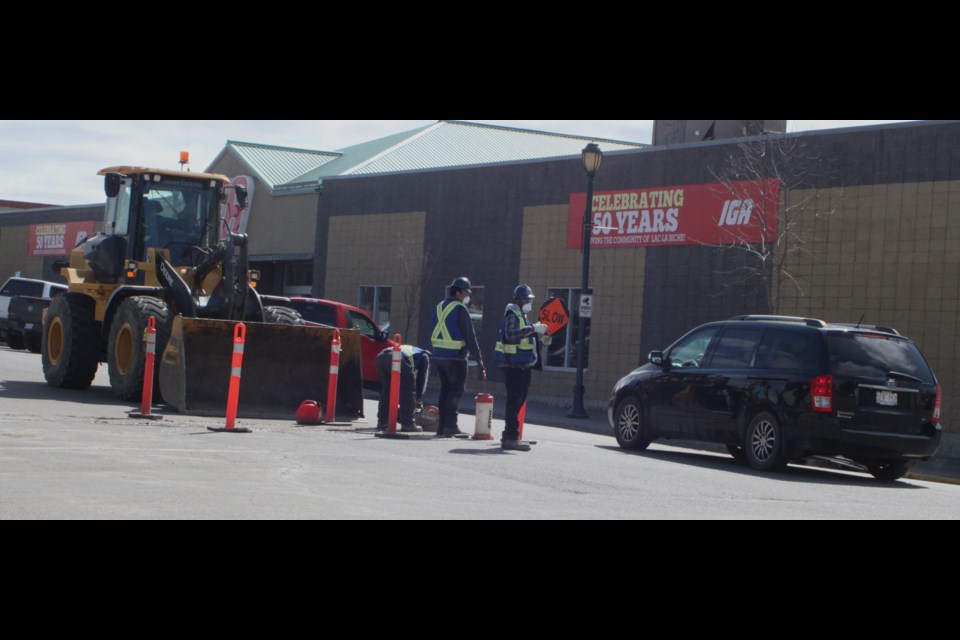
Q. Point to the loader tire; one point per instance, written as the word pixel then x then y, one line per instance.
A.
pixel 282 315
pixel 126 349
pixel 70 344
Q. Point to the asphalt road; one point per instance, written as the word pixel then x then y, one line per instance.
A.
pixel 78 455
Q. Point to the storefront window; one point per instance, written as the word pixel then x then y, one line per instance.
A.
pixel 562 352
pixel 298 278
pixel 375 300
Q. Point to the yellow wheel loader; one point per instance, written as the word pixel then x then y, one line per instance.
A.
pixel 171 249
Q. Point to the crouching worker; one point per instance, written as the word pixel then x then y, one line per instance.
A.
pixel 414 372
pixel 517 354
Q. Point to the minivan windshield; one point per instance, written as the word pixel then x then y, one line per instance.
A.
pixel 876 356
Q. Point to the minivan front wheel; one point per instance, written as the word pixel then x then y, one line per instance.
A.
pixel 763 442
pixel 628 425
pixel 737 452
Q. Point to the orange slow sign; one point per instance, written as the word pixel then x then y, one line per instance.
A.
pixel 554 314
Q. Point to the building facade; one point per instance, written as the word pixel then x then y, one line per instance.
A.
pixel 32 239
pixel 881 213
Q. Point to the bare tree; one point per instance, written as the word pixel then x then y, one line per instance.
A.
pixel 779 178
pixel 416 267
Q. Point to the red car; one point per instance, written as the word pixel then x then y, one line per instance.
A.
pixel 344 316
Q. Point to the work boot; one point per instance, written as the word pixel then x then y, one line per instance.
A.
pixel 452 433
pixel 514 445
pixel 411 428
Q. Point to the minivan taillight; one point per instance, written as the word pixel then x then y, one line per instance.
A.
pixel 936 406
pixel 821 393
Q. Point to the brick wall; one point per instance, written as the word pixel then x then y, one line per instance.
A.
pixel 371 250
pixel 13 254
pixel 887 254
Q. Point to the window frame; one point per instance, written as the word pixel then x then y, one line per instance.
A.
pixel 292 269
pixel 375 307
pixel 569 332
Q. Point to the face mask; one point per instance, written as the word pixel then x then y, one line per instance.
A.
pixel 527 308
pixel 466 300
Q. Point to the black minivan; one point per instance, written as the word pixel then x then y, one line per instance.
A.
pixel 778 388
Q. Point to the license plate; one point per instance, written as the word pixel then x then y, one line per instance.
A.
pixel 887 398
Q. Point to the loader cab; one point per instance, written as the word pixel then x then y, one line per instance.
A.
pixel 178 215
pixel 176 211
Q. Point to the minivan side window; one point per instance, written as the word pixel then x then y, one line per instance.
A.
pixel 735 348
pixel 787 350
pixel 689 352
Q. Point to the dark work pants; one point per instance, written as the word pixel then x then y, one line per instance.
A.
pixel 517 381
pixel 408 391
pixel 453 382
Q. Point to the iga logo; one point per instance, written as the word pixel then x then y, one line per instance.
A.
pixel 736 213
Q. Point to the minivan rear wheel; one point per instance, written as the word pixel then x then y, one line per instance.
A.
pixel 762 443
pixel 888 471
pixel 628 425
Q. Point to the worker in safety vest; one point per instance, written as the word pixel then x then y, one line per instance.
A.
pixel 414 373
pixel 451 337
pixel 517 354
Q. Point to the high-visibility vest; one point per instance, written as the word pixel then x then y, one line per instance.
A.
pixel 408 352
pixel 523 353
pixel 411 353
pixel 446 339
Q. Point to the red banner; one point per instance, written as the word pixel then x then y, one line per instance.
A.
pixel 57 238
pixel 234 216
pixel 712 214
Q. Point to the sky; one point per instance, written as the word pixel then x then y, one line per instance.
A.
pixel 56 161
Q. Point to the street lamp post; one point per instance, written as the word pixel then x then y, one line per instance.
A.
pixel 592 157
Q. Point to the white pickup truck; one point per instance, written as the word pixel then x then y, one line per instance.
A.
pixel 22 329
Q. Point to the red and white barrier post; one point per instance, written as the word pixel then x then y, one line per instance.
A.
pixel 233 395
pixel 146 397
pixel 151 336
pixel 334 373
pixel 394 387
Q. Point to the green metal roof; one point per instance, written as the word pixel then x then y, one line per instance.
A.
pixel 278 165
pixel 447 143
pixel 453 143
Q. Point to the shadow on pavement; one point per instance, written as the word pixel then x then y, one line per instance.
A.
pixel 487 450
pixel 793 472
pixel 41 391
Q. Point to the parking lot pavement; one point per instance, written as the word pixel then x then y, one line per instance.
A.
pixel 944 467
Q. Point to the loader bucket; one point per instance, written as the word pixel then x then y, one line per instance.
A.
pixel 283 365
